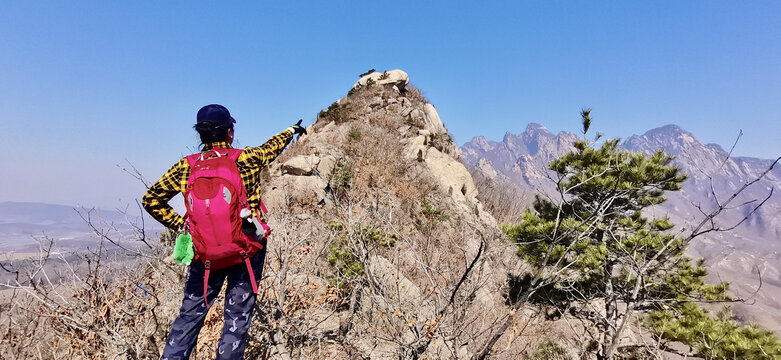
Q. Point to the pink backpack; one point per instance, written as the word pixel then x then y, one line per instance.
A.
pixel 214 198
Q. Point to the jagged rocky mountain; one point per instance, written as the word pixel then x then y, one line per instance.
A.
pixel 519 159
pixel 711 166
pixel 520 163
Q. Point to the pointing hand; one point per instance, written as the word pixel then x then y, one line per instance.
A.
pixel 298 129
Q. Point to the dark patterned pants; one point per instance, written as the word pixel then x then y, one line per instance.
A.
pixel 239 306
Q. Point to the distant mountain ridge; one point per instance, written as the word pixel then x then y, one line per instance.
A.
pixel 521 160
pixel 705 164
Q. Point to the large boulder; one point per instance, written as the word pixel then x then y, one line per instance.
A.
pixel 303 190
pixel 427 119
pixel 451 174
pixel 326 166
pixel 302 165
pixel 398 78
pixel 432 121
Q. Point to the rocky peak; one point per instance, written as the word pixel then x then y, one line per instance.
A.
pixel 389 136
pixel 671 137
pixel 669 130
pixel 480 141
pixel 398 79
pixel 536 129
pixel 526 143
pixel 690 153
pixel 508 136
pixel 379 162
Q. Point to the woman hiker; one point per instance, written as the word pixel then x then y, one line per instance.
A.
pixel 221 199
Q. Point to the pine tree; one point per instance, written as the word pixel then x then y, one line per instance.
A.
pixel 597 255
pixel 594 240
pixel 717 337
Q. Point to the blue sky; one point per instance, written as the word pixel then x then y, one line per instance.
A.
pixel 86 85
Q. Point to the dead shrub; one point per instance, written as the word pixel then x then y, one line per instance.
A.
pixel 503 200
pixel 415 95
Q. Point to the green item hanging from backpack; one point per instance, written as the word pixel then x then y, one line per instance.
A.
pixel 183 250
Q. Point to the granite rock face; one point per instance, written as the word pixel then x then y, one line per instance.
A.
pixel 397 78
pixel 379 167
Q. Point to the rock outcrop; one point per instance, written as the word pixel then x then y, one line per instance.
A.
pixel 378 193
pixel 396 78
pixel 426 146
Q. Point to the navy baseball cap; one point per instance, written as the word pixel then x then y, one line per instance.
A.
pixel 216 114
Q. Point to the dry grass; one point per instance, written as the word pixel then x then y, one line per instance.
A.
pixel 102 310
pixel 503 200
pixel 415 95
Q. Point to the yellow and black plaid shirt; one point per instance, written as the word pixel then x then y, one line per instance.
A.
pixel 251 161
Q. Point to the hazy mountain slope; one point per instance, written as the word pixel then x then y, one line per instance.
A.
pixel 738 254
pixel 21 222
pixel 522 158
pixel 709 167
pixel 514 170
pixel 733 255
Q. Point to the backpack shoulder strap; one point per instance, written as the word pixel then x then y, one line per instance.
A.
pixel 231 153
pixel 191 159
pixel 234 153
